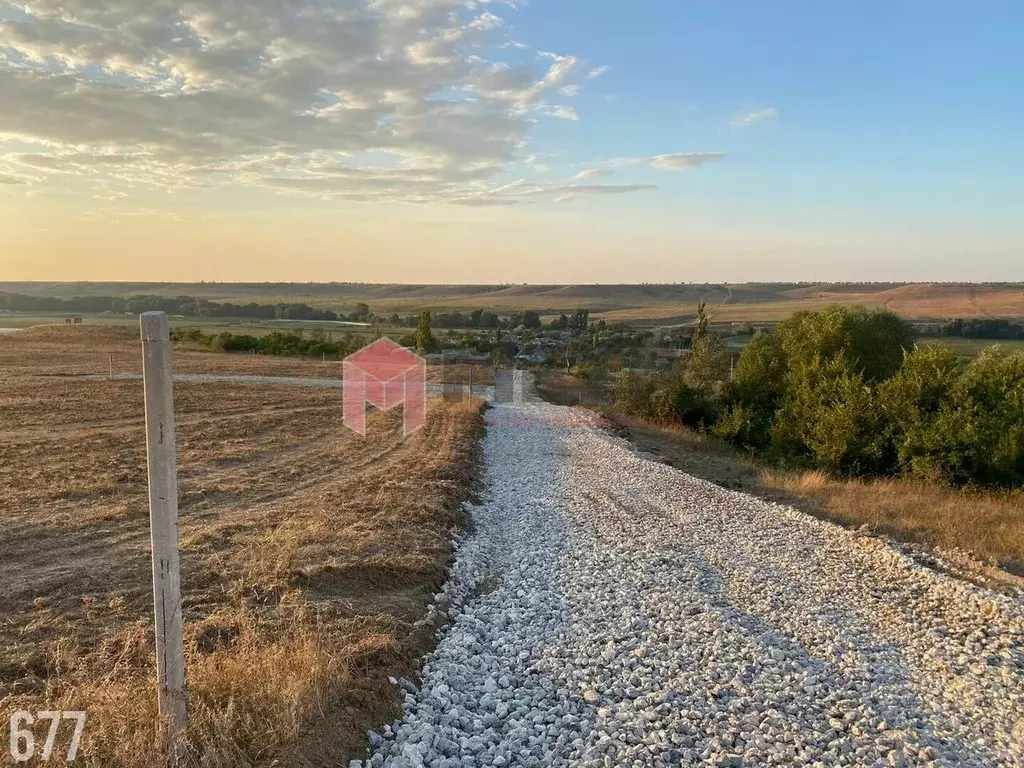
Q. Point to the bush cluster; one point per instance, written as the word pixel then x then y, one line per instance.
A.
pixel 847 390
pixel 315 344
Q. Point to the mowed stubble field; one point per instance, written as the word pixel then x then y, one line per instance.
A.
pixel 308 552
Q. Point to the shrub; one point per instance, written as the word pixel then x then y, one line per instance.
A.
pixel 871 342
pixel 632 393
pixel 914 409
pixel 826 419
pixel 752 397
pixel 275 343
pixel 845 390
pixel 986 421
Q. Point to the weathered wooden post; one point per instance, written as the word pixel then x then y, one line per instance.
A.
pixel 111 361
pixel 471 383
pixel 163 517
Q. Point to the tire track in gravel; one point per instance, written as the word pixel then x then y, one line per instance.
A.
pixel 642 617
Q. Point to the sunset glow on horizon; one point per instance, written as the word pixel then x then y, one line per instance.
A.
pixel 454 141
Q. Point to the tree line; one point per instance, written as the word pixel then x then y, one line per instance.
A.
pixel 187 306
pixel 848 390
pixel 985 328
pixel 190 306
pixel 314 344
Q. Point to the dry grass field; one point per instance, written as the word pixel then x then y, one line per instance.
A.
pixel 308 552
pixel 669 303
pixel 95 350
pixel 921 302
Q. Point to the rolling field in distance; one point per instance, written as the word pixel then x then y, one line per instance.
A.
pixel 748 302
pixel 968 348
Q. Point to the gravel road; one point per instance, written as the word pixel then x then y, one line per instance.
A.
pixel 608 610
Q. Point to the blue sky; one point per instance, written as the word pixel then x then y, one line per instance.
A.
pixel 706 140
pixel 886 107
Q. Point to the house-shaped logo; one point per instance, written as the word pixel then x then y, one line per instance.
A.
pixel 385 374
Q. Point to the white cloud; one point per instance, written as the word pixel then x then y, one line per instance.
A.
pixel 482 202
pixel 682 161
pixel 287 94
pixel 745 121
pixel 606 189
pixel 592 173
pixel 679 161
pixel 561 112
pixel 523 192
pixel 597 72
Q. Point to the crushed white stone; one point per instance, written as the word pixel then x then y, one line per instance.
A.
pixel 608 610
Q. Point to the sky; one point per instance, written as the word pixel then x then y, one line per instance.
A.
pixel 551 141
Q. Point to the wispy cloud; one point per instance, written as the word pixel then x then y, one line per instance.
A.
pixel 749 119
pixel 484 202
pixel 683 161
pixel 561 112
pixel 592 173
pixel 574 191
pixel 679 161
pixel 523 192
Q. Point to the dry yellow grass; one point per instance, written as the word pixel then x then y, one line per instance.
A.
pixel 308 553
pixel 59 350
pixel 745 302
pixel 989 525
pixel 924 301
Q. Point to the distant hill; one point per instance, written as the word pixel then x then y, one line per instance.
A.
pixel 746 302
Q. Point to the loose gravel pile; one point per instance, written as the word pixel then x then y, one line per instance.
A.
pixel 608 610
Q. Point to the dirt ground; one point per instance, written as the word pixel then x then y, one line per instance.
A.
pixel 308 552
pixel 56 350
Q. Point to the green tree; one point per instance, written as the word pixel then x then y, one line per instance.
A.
pixel 527 318
pixel 872 342
pixel 826 419
pixel 633 392
pixel 579 321
pixel 806 394
pixel 983 429
pixel 914 405
pixel 425 340
pixel 754 393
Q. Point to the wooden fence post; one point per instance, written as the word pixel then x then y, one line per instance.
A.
pixel 163 516
pixel 471 383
